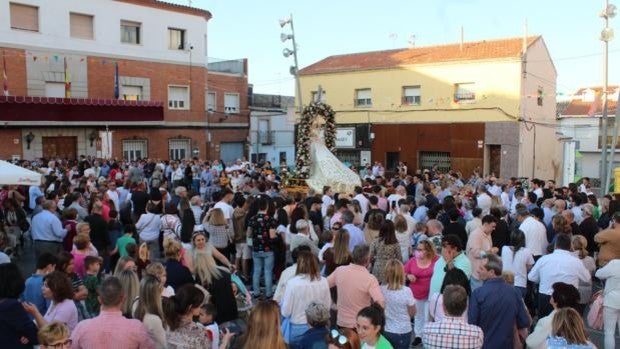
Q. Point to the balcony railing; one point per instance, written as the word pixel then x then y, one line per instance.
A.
pixel 266 137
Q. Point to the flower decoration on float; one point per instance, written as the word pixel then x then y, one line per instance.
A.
pixel 308 115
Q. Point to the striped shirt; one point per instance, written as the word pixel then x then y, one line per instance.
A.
pixel 452 333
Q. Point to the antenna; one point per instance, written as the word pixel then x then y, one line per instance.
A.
pixel 462 37
pixel 524 48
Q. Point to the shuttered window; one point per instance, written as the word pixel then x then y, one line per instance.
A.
pixel 411 95
pixel 130 32
pixel 81 26
pixel 363 97
pixel 24 17
pixel 178 97
pixel 135 149
pixel 211 101
pixel 231 103
pixel 179 149
pixel 131 93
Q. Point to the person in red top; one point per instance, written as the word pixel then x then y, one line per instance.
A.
pixel 419 271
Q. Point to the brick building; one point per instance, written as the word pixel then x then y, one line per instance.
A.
pixel 117 78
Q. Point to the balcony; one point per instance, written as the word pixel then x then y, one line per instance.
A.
pixel 25 110
pixel 266 137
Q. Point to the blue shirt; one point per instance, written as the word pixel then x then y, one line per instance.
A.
pixel 496 308
pixel 356 236
pixel 206 176
pixel 33 193
pixel 46 226
pixel 33 294
pixel 314 338
pixel 420 214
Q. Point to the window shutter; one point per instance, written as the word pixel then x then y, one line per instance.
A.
pixel 24 17
pixel 81 26
pixel 363 94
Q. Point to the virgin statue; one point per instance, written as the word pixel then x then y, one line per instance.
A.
pixel 325 168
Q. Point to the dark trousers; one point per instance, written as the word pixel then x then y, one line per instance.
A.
pixel 544 305
pixel 41 247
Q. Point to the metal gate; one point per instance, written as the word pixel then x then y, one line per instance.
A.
pixel 428 159
pixel 231 151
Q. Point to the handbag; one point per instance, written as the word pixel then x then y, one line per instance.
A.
pixel 595 314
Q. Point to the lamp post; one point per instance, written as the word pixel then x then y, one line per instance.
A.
pixel 607 34
pixel 294 70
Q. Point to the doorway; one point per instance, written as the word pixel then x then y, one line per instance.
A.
pixel 392 159
pixel 60 147
pixel 495 160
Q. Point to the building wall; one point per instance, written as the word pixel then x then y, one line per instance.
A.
pixel 282 124
pixel 54 31
pixel 15 70
pixel 12 142
pixel 496 84
pixel 227 83
pixel 540 151
pixel 460 140
pixel 505 134
pixel 157 140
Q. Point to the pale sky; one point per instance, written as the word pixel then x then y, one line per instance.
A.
pixel 250 29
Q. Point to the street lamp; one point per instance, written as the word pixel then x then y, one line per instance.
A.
pixel 607 34
pixel 294 70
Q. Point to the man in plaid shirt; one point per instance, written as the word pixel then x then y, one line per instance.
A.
pixel 452 332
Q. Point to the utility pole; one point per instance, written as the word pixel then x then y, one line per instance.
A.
pixel 606 35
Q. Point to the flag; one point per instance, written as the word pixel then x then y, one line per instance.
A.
pixel 116 87
pixel 67 82
pixel 595 104
pixel 5 78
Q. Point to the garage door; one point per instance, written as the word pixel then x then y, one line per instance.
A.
pixel 231 151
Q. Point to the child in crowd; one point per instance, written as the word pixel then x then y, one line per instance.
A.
pixel 114 227
pixel 328 238
pixel 206 318
pixel 123 241
pixel 244 302
pixel 32 293
pixel 92 281
pixel 418 235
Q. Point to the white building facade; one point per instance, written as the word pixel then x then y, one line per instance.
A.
pixel 272 130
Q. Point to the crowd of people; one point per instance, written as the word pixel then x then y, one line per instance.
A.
pixel 197 254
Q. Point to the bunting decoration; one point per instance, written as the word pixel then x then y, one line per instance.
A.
pixel 5 78
pixel 67 82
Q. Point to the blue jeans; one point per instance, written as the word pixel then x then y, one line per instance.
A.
pixel 399 340
pixel 262 260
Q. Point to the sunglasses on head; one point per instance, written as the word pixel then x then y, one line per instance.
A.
pixel 338 338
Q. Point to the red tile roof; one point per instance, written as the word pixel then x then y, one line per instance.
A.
pixel 579 107
pixel 480 50
pixel 171 7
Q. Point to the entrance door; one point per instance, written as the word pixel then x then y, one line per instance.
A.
pixel 231 151
pixel 60 147
pixel 391 161
pixel 495 159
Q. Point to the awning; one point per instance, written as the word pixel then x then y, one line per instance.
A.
pixel 29 109
pixel 14 175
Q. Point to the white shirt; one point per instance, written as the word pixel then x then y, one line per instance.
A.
pixel 327 200
pixel 484 202
pixel 505 200
pixel 115 197
pixel 226 208
pixel 411 222
pixel 495 190
pixel 404 240
pixel 361 198
pixel 578 215
pixel 396 312
pixel 611 272
pixel 535 236
pixel 559 266
pixel 148 226
pixel 539 193
pixel 300 292
pixel 517 264
pixel 286 275
pixel 394 198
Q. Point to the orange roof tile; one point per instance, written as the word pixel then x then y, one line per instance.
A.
pixel 488 49
pixel 579 107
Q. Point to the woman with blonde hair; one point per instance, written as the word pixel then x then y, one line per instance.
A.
pixel 399 306
pixel 217 281
pixel 403 236
pixel 131 289
pixel 220 233
pixel 143 258
pixel 305 287
pixel 124 263
pixel 262 328
pixel 54 335
pixel 568 329
pixel 149 310
pixel 177 273
pixel 158 270
pixel 580 248
pixel 337 255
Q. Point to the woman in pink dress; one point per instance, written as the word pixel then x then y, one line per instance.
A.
pixel 419 271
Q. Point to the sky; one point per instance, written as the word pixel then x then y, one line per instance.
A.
pixel 250 29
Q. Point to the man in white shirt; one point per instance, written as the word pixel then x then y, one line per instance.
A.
pixel 114 195
pixel 484 200
pixel 224 204
pixel 327 198
pixel 534 231
pixel 494 189
pixel 559 266
pixel 362 199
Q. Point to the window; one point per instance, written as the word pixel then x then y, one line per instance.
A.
pixel 428 159
pixel 176 39
pixel 178 97
pixel 263 132
pixel 130 32
pixel 539 99
pixel 283 157
pixel 81 26
pixel 135 149
pixel 131 93
pixel 231 103
pixel 211 101
pixel 363 98
pixel 315 96
pixel 55 89
pixel 464 92
pixel 24 17
pixel 411 95
pixel 179 149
